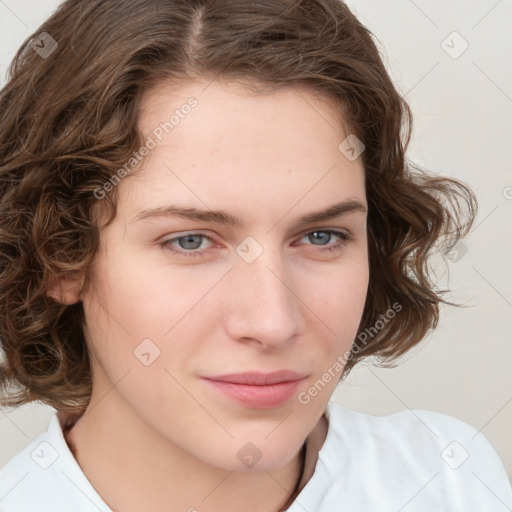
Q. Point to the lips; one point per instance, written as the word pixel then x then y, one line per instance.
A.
pixel 259 378
pixel 256 389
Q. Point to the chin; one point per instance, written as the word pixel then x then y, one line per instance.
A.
pixel 252 456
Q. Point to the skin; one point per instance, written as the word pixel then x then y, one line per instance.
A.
pixel 157 437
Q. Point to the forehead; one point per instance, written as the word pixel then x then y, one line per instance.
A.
pixel 236 146
pixel 237 103
pixel 238 93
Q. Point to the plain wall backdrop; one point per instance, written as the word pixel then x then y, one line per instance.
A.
pixel 451 60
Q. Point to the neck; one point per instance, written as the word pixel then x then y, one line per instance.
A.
pixel 115 454
pixel 309 456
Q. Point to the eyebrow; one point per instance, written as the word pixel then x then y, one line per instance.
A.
pixel 227 219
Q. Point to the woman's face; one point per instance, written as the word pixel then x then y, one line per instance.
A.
pixel 178 298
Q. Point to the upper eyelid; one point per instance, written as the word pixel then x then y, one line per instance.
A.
pixel 303 233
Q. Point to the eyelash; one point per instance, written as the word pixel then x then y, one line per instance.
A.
pixel 166 244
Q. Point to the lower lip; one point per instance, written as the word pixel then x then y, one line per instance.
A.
pixel 258 397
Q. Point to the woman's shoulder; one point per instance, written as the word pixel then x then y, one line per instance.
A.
pixel 414 431
pixel 414 424
pixel 445 457
pixel 44 476
pixel 38 453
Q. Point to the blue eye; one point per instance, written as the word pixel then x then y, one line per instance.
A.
pixel 187 245
pixel 190 239
pixel 312 235
pixel 343 238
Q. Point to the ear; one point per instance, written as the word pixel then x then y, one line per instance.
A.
pixel 66 290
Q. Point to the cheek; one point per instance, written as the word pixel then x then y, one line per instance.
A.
pixel 138 295
pixel 339 298
pixel 339 303
pixel 139 315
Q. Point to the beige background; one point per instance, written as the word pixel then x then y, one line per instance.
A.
pixel 463 112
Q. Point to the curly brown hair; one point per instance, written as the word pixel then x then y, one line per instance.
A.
pixel 70 122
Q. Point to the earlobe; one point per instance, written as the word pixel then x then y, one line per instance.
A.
pixel 66 290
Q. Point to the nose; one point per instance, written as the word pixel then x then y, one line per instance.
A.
pixel 263 304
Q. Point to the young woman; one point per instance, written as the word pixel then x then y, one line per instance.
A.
pixel 204 203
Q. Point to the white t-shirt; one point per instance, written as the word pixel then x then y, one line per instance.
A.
pixel 413 460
